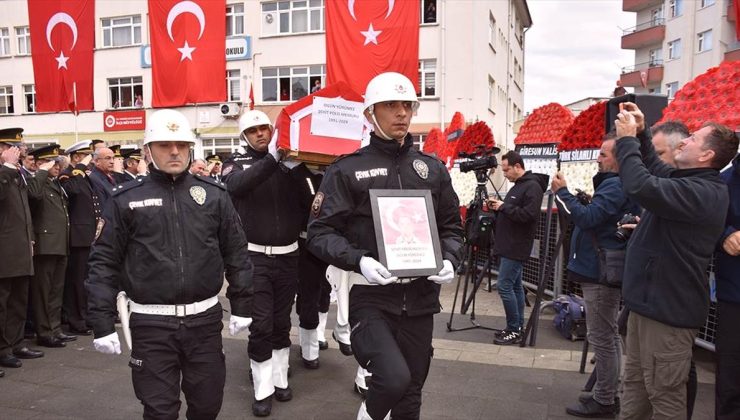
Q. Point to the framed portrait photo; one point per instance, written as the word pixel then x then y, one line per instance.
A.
pixel 406 232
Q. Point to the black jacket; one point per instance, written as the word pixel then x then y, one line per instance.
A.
pixel 341 229
pixel 84 207
pixel 665 277
pixel 267 197
pixel 168 242
pixel 102 185
pixel 48 202
pixel 518 217
pixel 16 230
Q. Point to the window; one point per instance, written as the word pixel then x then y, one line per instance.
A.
pixel 492 31
pixel 429 11
pixel 676 7
pixel 656 57
pixel 418 141
pixel 427 78
pixel 125 92
pixel 121 31
pixel 6 100
pixel 674 49
pixel 705 3
pixel 223 147
pixel 4 42
pixel 280 84
pixel 491 94
pixel 292 17
pixel 233 85
pixel 29 96
pixel 235 19
pixel 670 89
pixel 23 34
pixel 704 41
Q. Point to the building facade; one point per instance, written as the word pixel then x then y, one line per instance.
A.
pixel 676 40
pixel 471 60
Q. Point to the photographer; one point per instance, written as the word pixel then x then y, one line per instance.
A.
pixel 596 227
pixel 665 279
pixel 516 225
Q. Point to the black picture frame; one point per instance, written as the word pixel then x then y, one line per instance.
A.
pixel 411 248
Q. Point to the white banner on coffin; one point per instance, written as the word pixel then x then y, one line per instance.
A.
pixel 336 117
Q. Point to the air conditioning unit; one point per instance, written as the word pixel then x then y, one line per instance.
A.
pixel 230 109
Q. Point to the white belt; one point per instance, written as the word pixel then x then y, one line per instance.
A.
pixel 174 310
pixel 273 250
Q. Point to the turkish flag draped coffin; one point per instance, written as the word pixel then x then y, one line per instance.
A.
pixel 62 42
pixel 188 59
pixel 366 38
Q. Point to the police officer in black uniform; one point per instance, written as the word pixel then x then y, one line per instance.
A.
pixel 166 240
pixel 16 236
pixel 266 195
pixel 391 318
pixel 48 202
pixel 84 212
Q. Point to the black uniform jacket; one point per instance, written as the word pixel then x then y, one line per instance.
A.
pixel 48 203
pixel 266 195
pixel 168 241
pixel 102 185
pixel 16 230
pixel 84 208
pixel 665 272
pixel 341 229
pixel 517 218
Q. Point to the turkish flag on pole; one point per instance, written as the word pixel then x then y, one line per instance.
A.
pixel 188 51
pixel 62 42
pixel 366 38
pixel 251 95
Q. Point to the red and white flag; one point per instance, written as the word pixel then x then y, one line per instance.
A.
pixel 251 95
pixel 62 42
pixel 188 51
pixel 366 38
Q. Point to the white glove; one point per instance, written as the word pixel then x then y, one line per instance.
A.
pixel 108 344
pixel 272 146
pixel 238 324
pixel 375 272
pixel 445 275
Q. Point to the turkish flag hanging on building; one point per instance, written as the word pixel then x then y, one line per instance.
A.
pixel 62 42
pixel 366 38
pixel 188 51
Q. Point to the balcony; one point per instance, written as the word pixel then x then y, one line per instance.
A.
pixel 637 5
pixel 648 33
pixel 651 71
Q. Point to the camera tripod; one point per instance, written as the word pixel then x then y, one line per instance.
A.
pixel 471 254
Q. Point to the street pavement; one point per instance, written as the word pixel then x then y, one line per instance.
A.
pixel 470 378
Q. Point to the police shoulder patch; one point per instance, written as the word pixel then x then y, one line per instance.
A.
pixel 421 168
pixel 99 228
pixel 316 205
pixel 209 180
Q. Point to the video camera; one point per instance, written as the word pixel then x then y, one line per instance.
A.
pixel 481 160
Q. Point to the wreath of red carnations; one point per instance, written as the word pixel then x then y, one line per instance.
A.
pixel 586 130
pixel 545 124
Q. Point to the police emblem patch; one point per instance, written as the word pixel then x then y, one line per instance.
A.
pixel 99 229
pixel 198 193
pixel 317 202
pixel 421 169
pixel 227 170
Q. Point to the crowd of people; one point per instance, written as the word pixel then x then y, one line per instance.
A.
pixel 98 235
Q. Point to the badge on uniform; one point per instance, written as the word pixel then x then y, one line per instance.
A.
pixel 227 170
pixel 198 193
pixel 421 169
pixel 316 206
pixel 99 229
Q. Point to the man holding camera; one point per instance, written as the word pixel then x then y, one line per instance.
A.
pixel 516 225
pixel 596 228
pixel 665 279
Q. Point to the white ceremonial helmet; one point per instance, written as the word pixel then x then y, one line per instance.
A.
pixel 168 125
pixel 390 86
pixel 253 118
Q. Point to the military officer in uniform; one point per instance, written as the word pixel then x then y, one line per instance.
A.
pixel 167 240
pixel 16 239
pixel 84 211
pixel 266 195
pixel 214 165
pixel 132 169
pixel 391 318
pixel 48 202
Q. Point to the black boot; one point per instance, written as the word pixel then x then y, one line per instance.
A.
pixel 283 394
pixel 262 408
pixel 592 409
